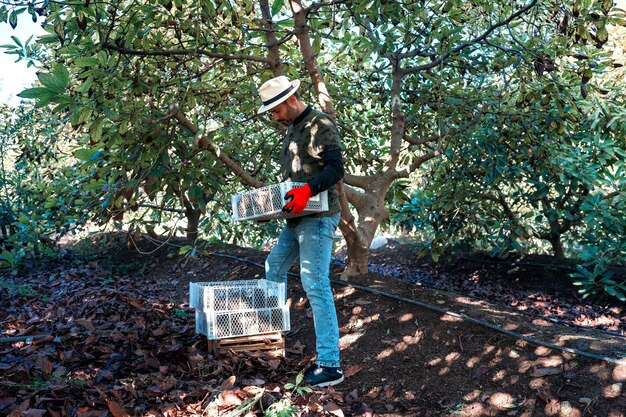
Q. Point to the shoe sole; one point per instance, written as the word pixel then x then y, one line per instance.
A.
pixel 329 383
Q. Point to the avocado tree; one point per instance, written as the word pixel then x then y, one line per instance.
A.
pixel 162 93
pixel 544 165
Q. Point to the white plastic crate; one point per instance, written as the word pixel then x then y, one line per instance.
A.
pixel 220 324
pixel 238 308
pixel 266 203
pixel 242 294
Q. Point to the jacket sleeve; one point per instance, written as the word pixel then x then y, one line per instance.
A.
pixel 332 172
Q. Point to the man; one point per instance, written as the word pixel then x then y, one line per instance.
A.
pixel 311 153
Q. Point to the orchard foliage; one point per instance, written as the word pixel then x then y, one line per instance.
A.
pixel 497 116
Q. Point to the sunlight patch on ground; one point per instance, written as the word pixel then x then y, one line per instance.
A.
pixel 537 383
pixel 597 346
pixel 472 395
pixel 401 346
pixel 549 362
pixel 619 373
pixel 358 323
pixel 450 319
pixel 613 390
pixel 475 409
pixel 452 357
pixel 542 351
pixel 488 349
pixel 406 317
pixel 470 301
pixel 471 362
pixel 601 371
pixel 513 354
pixel 501 401
pixel 499 376
pixel 349 339
pixel 344 292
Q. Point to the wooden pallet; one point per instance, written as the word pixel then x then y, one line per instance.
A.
pixel 272 343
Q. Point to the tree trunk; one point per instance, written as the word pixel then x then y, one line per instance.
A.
pixel 359 233
pixel 193 220
pixel 557 247
pixel 270 38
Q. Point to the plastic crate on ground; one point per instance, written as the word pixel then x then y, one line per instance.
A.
pixel 266 203
pixel 236 295
pixel 237 308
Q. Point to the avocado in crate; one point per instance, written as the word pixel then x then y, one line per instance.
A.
pixel 266 203
pixel 238 308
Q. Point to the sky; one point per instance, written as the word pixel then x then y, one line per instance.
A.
pixel 14 77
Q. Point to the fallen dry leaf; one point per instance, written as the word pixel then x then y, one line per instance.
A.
pixel 353 370
pixel 373 393
pixel 20 408
pixel 228 383
pixel 116 409
pixel 334 409
pixel 228 399
pixel 86 324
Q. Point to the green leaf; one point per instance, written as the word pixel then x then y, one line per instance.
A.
pixel 17 41
pixel 57 80
pixel 36 93
pixel 299 378
pixel 602 34
pixel 610 291
pixel 85 86
pixel 95 130
pixel 185 249
pixel 13 19
pixel 62 75
pixel 85 154
pixel 276 6
pixel 86 61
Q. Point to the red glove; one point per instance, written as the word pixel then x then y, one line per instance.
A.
pixel 299 199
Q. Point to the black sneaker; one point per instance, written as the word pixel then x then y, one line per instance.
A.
pixel 322 376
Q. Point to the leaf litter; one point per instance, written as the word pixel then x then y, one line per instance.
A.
pixel 87 345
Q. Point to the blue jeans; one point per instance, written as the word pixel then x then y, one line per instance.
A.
pixel 312 241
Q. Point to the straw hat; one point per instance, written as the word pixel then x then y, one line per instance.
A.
pixel 275 91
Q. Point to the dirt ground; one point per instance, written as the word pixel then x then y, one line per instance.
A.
pixel 408 348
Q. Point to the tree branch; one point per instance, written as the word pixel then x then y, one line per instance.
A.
pixel 405 172
pixel 272 42
pixel 310 60
pixel 445 56
pixel 177 52
pixel 205 143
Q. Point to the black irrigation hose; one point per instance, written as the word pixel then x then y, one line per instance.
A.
pixel 456 315
pixel 550 318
